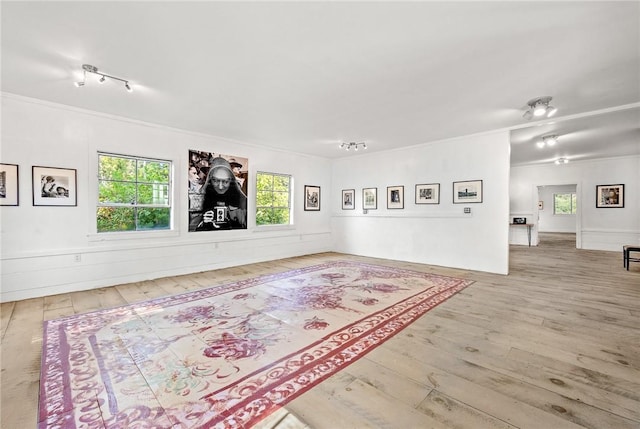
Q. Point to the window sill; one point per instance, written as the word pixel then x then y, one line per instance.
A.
pixel 267 228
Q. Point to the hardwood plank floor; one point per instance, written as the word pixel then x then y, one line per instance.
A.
pixel 555 344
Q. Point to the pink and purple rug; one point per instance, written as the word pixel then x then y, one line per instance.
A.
pixel 226 356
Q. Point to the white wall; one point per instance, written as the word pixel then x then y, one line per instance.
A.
pixel 549 222
pixel 597 228
pixel 432 234
pixel 39 244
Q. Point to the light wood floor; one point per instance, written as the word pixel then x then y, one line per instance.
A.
pixel 555 344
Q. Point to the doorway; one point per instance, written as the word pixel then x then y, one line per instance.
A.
pixel 558 214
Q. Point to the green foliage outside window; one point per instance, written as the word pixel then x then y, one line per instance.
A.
pixel 273 199
pixel 133 194
pixel 564 204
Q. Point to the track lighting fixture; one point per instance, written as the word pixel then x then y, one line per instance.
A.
pixel 88 68
pixel 540 108
pixel 561 161
pixel 354 145
pixel 549 140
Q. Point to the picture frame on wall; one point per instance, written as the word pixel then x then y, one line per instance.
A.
pixel 54 186
pixel 9 189
pixel 348 199
pixel 428 194
pixel 610 196
pixel 217 193
pixel 311 198
pixel 369 198
pixel 469 191
pixel 395 197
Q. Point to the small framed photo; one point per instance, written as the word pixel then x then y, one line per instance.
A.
pixel 54 186
pixel 348 199
pixel 395 197
pixel 469 191
pixel 311 198
pixel 9 185
pixel 610 196
pixel 369 198
pixel 428 194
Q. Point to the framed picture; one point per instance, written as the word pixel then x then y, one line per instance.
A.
pixel 467 192
pixel 348 199
pixel 311 198
pixel 217 192
pixel 610 196
pixel 54 186
pixel 8 185
pixel 369 198
pixel 428 194
pixel 395 197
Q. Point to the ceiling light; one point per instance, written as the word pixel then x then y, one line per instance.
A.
pixel 354 145
pixel 540 144
pixel 539 110
pixel 550 140
pixel 88 68
pixel 539 107
pixel 561 161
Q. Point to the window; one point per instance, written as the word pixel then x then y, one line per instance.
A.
pixel 273 199
pixel 133 193
pixel 564 204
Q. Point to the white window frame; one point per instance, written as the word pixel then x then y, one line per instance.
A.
pixel 574 208
pixel 290 202
pixel 137 233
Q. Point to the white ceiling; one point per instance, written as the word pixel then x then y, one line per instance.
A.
pixel 305 76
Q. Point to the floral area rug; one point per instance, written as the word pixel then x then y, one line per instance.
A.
pixel 229 355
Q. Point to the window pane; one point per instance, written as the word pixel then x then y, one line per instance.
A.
pixel 280 199
pixel 153 218
pixel 272 217
pixel 264 182
pixel 264 199
pixel 117 168
pixel 564 203
pixel 281 216
pixel 153 171
pixel 117 192
pixel 573 203
pixel 116 219
pixel 263 217
pixel 281 183
pixel 153 194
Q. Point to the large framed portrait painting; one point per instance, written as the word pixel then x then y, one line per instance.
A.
pixel 217 191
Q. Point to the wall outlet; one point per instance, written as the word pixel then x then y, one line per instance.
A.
pixel 77 258
pixel 467 209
